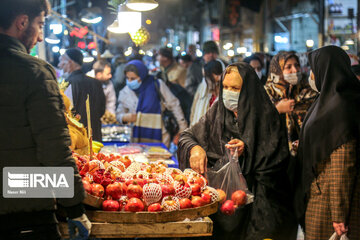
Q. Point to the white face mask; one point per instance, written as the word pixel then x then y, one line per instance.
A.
pixel 312 84
pixel 231 99
pixel 293 78
pixel 259 74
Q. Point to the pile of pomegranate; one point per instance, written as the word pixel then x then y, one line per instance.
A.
pixel 133 187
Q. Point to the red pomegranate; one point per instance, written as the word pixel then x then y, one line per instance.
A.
pixel 126 161
pixel 239 198
pixel 195 189
pixel 138 181
pixel 134 205
pixel 87 185
pixel 185 203
pixel 97 190
pixel 206 197
pixel 114 190
pixel 134 190
pixel 197 201
pixel 110 205
pixel 155 207
pixel 228 208
pixel 123 201
pixel 167 190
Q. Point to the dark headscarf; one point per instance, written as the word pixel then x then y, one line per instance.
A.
pixel 264 161
pixel 334 118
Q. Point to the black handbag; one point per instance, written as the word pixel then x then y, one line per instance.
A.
pixel 170 123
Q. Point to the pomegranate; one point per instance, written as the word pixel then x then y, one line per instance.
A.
pixel 87 186
pixel 195 189
pixel 213 194
pixel 170 203
pixel 134 190
pixel 97 190
pixel 126 161
pixel 114 190
pixel 110 205
pixel 167 190
pixel 185 203
pixel 197 201
pixel 134 205
pixel 206 197
pixel 152 193
pixel 123 201
pixel 84 169
pixel 182 188
pixel 239 198
pixel 228 208
pixel 222 195
pixel 155 207
pixel 138 181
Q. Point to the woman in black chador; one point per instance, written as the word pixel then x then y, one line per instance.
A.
pixel 245 117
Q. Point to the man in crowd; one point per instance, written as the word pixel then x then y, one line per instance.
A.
pixel 256 63
pixel 211 52
pixel 80 87
pixel 102 69
pixel 193 73
pixel 33 129
pixel 170 69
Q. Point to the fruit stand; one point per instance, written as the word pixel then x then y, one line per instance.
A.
pixel 130 199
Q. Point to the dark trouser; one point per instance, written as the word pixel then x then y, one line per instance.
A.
pixel 38 232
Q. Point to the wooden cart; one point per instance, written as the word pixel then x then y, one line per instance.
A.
pixel 192 222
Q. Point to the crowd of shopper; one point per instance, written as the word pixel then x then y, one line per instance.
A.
pixel 297 133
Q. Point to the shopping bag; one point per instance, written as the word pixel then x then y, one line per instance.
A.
pixel 227 176
pixel 343 237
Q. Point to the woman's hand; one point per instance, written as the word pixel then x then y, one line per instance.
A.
pixel 285 105
pixel 129 118
pixel 340 228
pixel 236 144
pixel 198 159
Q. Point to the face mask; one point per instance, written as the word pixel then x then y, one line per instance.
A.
pixel 134 84
pixel 312 84
pixel 231 99
pixel 293 78
pixel 259 74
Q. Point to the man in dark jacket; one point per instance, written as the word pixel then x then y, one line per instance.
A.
pixel 81 86
pixel 33 130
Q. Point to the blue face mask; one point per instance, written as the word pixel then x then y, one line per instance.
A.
pixel 134 84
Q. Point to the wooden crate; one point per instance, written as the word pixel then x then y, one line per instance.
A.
pixel 146 230
pixel 152 217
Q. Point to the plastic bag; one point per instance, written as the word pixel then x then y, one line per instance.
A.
pixel 343 237
pixel 227 176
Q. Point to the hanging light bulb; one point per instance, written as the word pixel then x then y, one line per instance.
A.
pixel 127 21
pixel 142 5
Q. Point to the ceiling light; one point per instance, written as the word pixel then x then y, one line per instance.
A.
pixel 309 43
pixel 52 39
pixel 91 20
pixel 349 42
pixel 142 5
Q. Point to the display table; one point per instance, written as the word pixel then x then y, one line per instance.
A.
pixel 119 144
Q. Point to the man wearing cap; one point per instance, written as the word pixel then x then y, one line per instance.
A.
pixel 170 69
pixel 81 86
